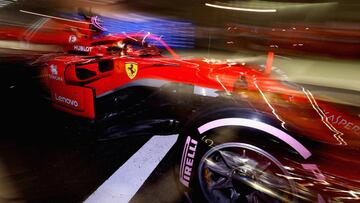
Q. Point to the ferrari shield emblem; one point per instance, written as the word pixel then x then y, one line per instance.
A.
pixel 131 69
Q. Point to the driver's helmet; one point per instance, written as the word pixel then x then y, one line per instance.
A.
pixel 138 48
pixel 133 48
pixel 130 49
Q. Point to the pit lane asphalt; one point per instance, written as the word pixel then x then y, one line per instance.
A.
pixel 41 162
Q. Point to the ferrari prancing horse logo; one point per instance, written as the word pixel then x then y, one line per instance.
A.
pixel 131 69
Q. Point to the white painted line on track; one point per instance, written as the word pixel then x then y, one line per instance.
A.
pixel 126 181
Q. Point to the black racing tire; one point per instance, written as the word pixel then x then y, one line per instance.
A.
pixel 234 163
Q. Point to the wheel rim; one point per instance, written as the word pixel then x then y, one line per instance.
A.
pixel 238 172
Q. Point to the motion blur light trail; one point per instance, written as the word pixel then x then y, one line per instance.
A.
pixel 241 9
pixel 6 2
pixel 176 33
pixel 54 17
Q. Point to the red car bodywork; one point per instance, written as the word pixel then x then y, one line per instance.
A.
pixel 109 73
pixel 51 31
pixel 77 82
pixel 95 68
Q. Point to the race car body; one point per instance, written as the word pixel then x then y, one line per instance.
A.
pixel 45 30
pixel 51 33
pixel 294 142
pixel 76 81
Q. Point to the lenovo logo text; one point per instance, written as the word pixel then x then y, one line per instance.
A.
pixel 66 100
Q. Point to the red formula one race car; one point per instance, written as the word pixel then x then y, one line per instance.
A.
pixel 245 135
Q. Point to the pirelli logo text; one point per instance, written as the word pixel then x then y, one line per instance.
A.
pixel 187 160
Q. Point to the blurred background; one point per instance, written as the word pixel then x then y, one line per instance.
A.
pixel 329 28
pixel 319 40
pixel 316 44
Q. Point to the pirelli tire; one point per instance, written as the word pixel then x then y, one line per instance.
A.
pixel 234 163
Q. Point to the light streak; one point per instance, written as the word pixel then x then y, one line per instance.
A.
pixel 128 36
pixel 324 119
pixel 270 106
pixel 54 17
pixel 289 177
pixel 241 9
pixel 355 195
pixel 31 31
pixel 143 41
pixel 223 86
pixel 4 3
